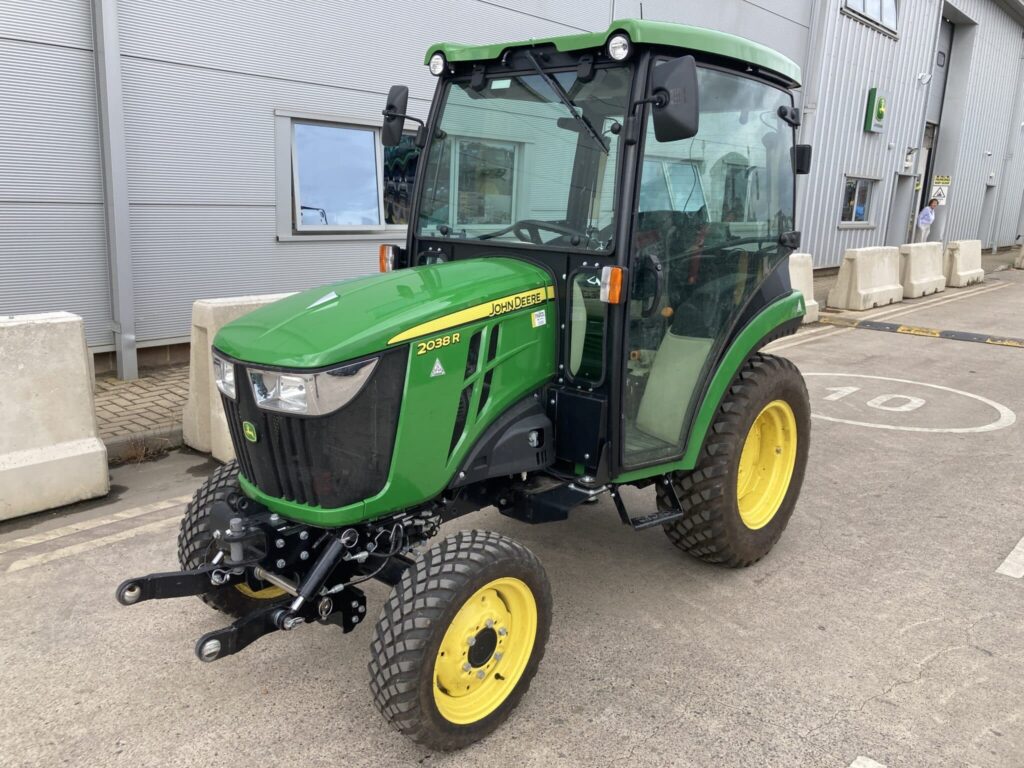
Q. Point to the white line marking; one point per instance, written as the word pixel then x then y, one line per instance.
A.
pixel 897 311
pixel 1006 416
pixel 85 525
pixel 86 546
pixel 1013 565
pixel 865 762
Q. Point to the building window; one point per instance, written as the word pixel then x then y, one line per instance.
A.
pixel 882 12
pixel 335 178
pixel 857 200
pixel 670 185
pixel 473 183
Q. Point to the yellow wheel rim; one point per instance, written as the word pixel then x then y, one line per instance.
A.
pixel 485 651
pixel 267 593
pixel 766 464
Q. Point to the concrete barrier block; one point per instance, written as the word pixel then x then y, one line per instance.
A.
pixel 962 263
pixel 868 278
pixel 921 269
pixel 204 426
pixel 50 451
pixel 801 276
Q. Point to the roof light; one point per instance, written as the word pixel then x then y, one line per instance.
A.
pixel 437 64
pixel 619 47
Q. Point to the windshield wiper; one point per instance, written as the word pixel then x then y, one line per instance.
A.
pixel 554 85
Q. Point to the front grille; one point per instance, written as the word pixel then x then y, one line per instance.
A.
pixel 323 461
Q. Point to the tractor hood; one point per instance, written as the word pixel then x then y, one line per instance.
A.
pixel 359 317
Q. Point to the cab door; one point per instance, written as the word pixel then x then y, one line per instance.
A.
pixel 709 213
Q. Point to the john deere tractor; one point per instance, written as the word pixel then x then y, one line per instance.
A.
pixel 596 252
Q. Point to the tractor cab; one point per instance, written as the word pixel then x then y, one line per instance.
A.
pixel 650 172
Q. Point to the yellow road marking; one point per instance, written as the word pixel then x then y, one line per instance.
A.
pixel 85 525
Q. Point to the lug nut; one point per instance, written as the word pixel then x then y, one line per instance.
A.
pixel 275 519
pixel 490 623
pixel 304 535
pixel 498 655
pixel 281 564
pixel 481 675
pixel 303 555
pixel 279 543
pixel 467 667
pixel 502 631
pixel 471 641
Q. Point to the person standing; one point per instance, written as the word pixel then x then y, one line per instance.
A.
pixel 925 219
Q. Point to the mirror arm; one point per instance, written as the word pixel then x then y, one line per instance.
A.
pixel 389 115
pixel 632 132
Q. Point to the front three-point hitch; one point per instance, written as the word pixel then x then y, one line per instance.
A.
pixel 253 549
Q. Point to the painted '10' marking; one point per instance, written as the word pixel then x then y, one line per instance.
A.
pixel 880 402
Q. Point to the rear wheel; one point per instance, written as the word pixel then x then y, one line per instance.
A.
pixel 460 639
pixel 196 546
pixel 739 498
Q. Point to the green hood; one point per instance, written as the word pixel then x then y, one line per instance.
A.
pixel 358 317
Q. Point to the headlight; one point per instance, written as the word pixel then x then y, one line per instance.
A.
pixel 224 375
pixel 437 64
pixel 311 394
pixel 618 47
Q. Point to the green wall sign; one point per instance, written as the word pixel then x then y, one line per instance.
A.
pixel 878 107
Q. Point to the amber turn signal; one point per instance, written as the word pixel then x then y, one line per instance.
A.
pixel 611 285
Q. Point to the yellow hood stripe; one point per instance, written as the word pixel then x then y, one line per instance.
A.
pixel 505 304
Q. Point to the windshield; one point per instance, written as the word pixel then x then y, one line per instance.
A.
pixel 519 161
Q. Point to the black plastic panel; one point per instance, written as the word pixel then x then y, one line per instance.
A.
pixel 327 461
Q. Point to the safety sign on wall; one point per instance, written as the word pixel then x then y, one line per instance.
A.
pixel 940 189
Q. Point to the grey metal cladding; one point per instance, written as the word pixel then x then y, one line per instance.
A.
pixel 201 85
pixel 780 24
pixel 188 252
pixel 860 57
pixel 52 239
pixel 66 23
pixel 987 124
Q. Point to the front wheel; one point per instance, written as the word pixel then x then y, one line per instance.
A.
pixel 739 498
pixel 460 639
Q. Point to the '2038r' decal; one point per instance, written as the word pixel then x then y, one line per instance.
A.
pixel 422 347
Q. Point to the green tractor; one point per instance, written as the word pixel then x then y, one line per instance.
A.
pixel 597 251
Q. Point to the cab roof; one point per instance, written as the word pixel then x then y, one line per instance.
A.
pixel 642 32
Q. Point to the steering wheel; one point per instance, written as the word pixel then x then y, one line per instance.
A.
pixel 528 230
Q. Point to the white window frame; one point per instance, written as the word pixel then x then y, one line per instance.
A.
pixel 518 156
pixel 288 215
pixel 871 21
pixel 868 222
pixel 664 161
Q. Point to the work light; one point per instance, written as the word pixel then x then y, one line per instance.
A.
pixel 224 375
pixel 437 64
pixel 310 394
pixel 619 48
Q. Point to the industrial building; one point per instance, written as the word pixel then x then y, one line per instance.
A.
pixel 155 153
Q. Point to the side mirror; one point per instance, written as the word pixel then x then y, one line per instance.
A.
pixel 676 107
pixel 394 116
pixel 800 154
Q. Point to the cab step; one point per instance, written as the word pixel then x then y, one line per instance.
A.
pixel 649 521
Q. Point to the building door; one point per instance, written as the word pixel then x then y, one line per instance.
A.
pixel 988 208
pixel 899 229
pixel 936 96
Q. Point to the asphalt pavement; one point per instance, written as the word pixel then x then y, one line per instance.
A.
pixel 885 628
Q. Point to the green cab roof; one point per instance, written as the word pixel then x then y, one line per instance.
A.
pixel 641 32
